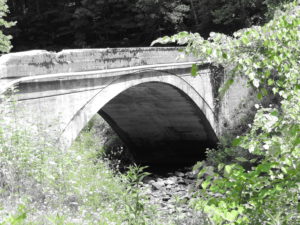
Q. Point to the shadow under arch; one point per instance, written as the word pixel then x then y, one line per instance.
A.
pixel 159 124
pixel 160 117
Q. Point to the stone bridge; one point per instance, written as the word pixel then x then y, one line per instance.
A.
pixel 147 95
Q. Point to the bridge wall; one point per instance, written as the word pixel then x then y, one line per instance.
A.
pixel 39 62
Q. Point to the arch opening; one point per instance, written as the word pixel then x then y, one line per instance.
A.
pixel 159 124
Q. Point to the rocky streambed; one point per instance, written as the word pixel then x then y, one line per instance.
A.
pixel 171 193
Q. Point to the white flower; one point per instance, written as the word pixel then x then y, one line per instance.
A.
pixel 251 148
pixel 256 83
pixel 266 146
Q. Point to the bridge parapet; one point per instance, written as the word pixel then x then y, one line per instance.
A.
pixel 40 62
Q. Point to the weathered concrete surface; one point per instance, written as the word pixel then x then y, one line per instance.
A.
pixel 146 94
pixel 39 62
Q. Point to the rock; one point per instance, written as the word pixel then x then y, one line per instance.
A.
pixel 191 175
pixel 171 192
pixel 147 179
pixel 188 181
pixel 157 185
pixel 179 174
pixel 160 179
pixel 169 187
pixel 171 181
pixel 166 198
pixel 181 181
pixel 147 191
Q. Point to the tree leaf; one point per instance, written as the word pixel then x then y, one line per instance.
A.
pixel 194 70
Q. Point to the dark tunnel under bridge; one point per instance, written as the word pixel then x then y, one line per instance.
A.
pixel 159 124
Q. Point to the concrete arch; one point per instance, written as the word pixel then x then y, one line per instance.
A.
pixel 124 83
pixel 62 91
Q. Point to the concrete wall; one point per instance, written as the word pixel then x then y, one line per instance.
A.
pixel 39 62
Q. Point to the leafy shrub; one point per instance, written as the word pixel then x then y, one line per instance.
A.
pixel 267 193
pixel 5 44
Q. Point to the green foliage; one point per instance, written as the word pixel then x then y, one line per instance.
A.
pixel 227 16
pixel 268 192
pixel 273 5
pixel 244 13
pixel 136 209
pixel 18 218
pixel 5 44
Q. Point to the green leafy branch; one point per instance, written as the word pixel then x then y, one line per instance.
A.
pixel 269 57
